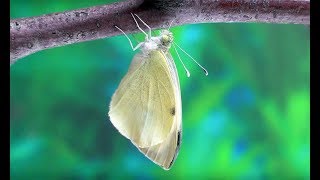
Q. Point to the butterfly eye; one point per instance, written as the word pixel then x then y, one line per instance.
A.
pixel 165 39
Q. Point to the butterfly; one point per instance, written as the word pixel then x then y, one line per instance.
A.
pixel 146 108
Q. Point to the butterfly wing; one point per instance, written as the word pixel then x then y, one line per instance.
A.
pixel 165 153
pixel 146 107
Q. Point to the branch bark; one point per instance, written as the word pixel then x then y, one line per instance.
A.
pixel 29 35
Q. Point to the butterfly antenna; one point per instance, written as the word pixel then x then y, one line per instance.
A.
pixel 205 71
pixel 144 24
pixel 139 26
pixel 188 74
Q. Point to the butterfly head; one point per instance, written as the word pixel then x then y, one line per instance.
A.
pixel 166 38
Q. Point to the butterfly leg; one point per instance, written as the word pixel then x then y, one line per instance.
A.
pixel 133 48
pixel 149 33
pixel 147 37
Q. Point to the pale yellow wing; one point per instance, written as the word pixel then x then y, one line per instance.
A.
pixel 165 153
pixel 143 107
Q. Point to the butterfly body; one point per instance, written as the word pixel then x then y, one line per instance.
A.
pixel 160 43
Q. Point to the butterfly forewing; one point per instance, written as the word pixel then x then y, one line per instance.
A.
pixel 142 106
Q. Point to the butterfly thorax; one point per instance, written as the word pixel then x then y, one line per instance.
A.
pixel 161 42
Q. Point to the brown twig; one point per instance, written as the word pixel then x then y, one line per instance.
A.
pixel 29 35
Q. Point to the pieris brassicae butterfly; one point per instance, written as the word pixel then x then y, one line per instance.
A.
pixel 146 108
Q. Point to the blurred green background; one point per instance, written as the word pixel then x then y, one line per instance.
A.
pixel 249 119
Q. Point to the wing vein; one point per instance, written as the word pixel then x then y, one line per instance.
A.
pixel 121 98
pixel 147 116
pixel 162 124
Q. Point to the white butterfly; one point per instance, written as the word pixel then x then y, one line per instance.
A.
pixel 146 107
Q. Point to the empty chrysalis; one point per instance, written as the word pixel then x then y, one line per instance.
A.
pixel 146 108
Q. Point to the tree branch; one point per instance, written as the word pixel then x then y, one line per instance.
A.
pixel 29 35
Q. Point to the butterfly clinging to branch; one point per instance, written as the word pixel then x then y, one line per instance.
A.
pixel 146 108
